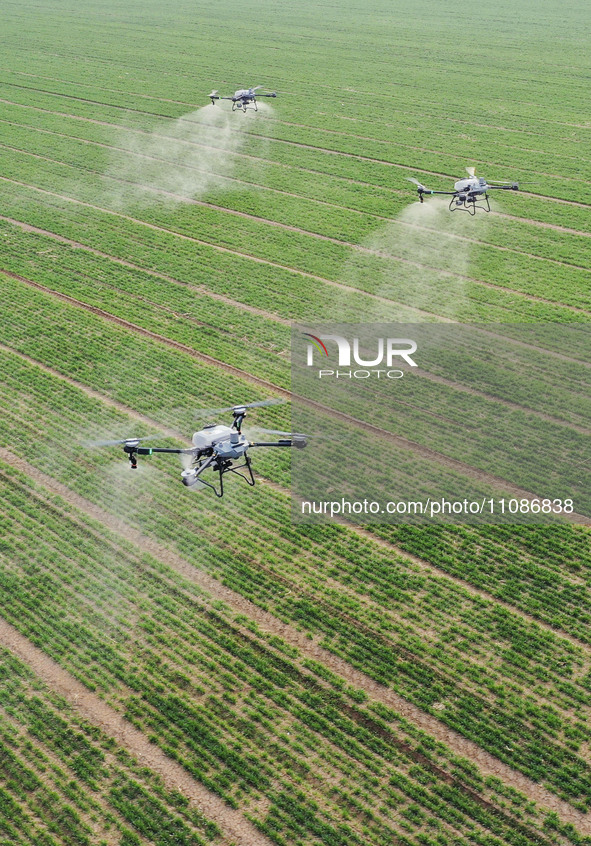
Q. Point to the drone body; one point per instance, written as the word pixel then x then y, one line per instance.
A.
pixel 244 98
pixel 216 446
pixel 470 192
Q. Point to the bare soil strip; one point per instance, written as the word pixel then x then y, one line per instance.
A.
pixel 494 482
pixel 232 823
pixel 425 566
pixel 54 675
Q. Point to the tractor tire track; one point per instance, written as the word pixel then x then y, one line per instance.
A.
pixel 233 824
pixel 59 679
pixel 493 481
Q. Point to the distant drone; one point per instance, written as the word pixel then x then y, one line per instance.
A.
pixel 243 99
pixel 470 193
pixel 216 446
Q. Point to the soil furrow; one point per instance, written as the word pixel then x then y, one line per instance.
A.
pixel 232 823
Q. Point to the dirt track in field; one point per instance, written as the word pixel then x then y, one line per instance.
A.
pixel 59 679
pixel 424 565
pixel 232 823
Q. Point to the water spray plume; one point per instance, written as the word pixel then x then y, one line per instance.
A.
pixel 178 161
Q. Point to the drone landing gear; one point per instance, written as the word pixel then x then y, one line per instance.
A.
pixel 223 466
pixel 470 204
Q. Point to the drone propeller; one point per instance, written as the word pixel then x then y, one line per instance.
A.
pixel 415 181
pixel 420 187
pixel 212 412
pixel 256 88
pixel 127 441
pixel 471 171
pixel 213 93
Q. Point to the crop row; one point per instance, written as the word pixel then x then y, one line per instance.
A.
pixel 335 261
pixel 237 712
pixel 63 780
pixel 516 725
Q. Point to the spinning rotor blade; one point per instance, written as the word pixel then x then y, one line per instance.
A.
pixel 415 181
pixel 213 93
pixel 128 441
pixel 471 171
pixel 209 412
pixel 256 87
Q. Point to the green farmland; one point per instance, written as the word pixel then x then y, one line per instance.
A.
pixel 181 670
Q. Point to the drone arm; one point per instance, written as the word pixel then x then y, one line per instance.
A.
pixel 150 450
pixel 272 94
pixel 512 186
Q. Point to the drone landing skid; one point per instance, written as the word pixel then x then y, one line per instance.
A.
pixel 470 205
pixel 225 466
pixel 245 106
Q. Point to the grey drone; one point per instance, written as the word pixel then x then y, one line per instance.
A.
pixel 470 192
pixel 215 447
pixel 244 98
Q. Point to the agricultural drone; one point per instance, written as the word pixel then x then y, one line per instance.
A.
pixel 244 98
pixel 216 446
pixel 470 192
